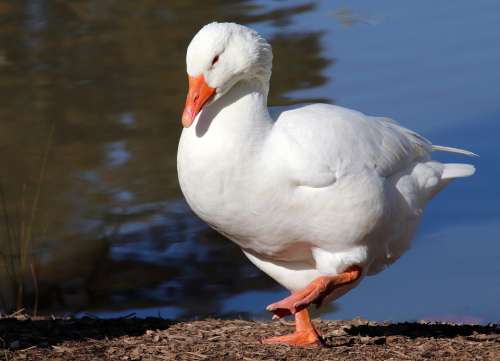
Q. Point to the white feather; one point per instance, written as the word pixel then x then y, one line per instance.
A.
pixel 453 150
pixel 457 170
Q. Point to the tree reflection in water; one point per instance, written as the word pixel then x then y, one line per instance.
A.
pixel 112 231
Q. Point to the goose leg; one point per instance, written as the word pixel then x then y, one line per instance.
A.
pixel 305 334
pixel 314 292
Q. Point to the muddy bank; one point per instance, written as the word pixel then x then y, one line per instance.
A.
pixel 131 338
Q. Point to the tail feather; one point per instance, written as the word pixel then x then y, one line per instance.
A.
pixel 453 150
pixel 457 170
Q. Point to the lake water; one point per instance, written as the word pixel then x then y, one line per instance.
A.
pixel 100 86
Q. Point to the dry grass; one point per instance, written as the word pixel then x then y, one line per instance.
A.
pixel 17 244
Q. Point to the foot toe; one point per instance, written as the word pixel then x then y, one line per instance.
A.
pixel 283 308
pixel 300 338
pixel 281 312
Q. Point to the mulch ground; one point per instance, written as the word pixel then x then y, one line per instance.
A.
pixel 23 338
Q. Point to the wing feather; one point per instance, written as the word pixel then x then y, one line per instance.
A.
pixel 322 139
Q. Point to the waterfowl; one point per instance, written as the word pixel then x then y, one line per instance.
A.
pixel 317 196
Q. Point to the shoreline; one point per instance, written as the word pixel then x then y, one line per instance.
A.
pixel 130 338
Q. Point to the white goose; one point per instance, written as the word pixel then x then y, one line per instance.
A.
pixel 317 196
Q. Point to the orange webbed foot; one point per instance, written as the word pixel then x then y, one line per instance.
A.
pixel 298 338
pixel 314 293
pixel 305 333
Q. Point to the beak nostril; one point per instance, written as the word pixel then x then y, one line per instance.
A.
pixel 198 94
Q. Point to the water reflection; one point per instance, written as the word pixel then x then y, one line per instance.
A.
pixel 112 234
pixel 111 231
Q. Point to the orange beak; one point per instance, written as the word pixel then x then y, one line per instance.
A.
pixel 198 95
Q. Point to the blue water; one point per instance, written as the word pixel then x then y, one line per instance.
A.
pixel 119 236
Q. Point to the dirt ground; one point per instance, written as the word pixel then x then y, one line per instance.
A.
pixel 23 338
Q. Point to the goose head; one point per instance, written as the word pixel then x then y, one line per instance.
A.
pixel 219 56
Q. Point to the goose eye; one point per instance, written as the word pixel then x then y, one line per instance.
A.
pixel 215 60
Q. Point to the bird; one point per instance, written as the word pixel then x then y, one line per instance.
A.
pixel 317 196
